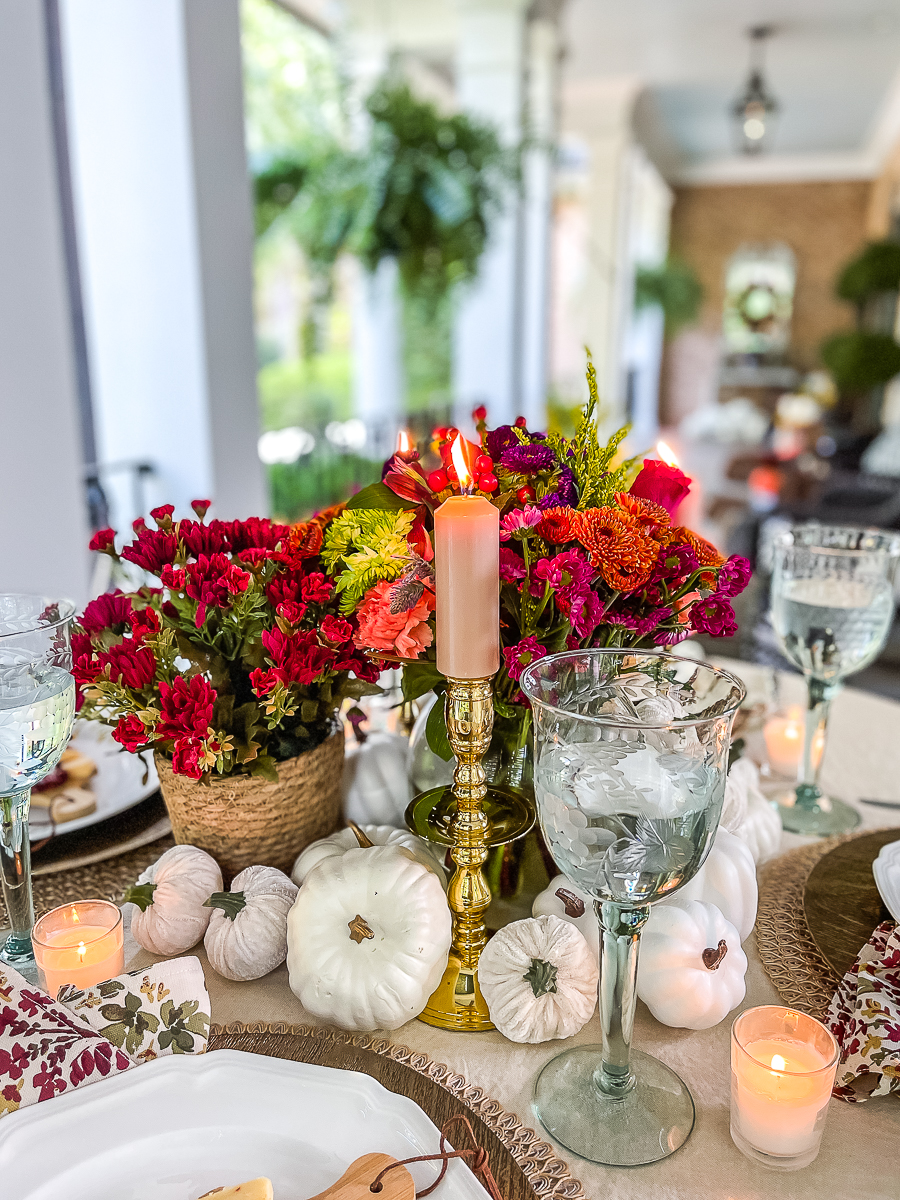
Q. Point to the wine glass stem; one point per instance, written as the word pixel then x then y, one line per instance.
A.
pixel 819 702
pixel 620 932
pixel 15 874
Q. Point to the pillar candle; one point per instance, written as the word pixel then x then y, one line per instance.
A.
pixel 467 586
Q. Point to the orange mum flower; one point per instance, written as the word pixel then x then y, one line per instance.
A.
pixel 707 554
pixel 304 541
pixel 558 525
pixel 652 518
pixel 620 550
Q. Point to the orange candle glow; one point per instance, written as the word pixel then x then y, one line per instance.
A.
pixel 79 943
pixel 467 581
pixel 784 742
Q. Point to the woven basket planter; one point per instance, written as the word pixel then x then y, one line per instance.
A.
pixel 243 821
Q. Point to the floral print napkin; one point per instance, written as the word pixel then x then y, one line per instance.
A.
pixel 44 1051
pixel 864 1016
pixel 163 1009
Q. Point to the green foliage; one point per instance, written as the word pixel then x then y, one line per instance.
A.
pixel 859 360
pixel 436 730
pixel 876 270
pixel 301 488
pixel 372 545
pixel 274 189
pixel 379 495
pixel 675 288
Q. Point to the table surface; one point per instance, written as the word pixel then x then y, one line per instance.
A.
pixel 859 1152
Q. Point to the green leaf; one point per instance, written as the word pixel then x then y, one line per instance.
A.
pixel 264 766
pixel 419 678
pixel 357 688
pixel 231 903
pixel 436 731
pixel 140 894
pixel 379 495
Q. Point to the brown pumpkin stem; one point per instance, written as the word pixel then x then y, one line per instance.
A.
pixel 359 929
pixel 712 959
pixel 364 842
pixel 574 905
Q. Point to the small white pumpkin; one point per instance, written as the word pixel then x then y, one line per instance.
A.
pixel 170 895
pixel 539 978
pixel 728 880
pixel 336 844
pixel 563 899
pixel 748 814
pixel 368 938
pixel 375 783
pixel 247 934
pixel 691 966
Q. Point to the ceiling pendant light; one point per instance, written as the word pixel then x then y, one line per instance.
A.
pixel 755 109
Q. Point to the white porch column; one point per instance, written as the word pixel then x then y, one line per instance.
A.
pixel 43 530
pixel 377 364
pixel 489 80
pixel 165 231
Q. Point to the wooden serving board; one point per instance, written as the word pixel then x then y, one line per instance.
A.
pixel 840 900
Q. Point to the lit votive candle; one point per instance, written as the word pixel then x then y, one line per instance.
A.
pixel 782 1071
pixel 784 743
pixel 81 943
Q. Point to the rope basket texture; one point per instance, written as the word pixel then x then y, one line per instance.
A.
pixel 243 821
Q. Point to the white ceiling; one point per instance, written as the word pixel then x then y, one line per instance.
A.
pixel 833 65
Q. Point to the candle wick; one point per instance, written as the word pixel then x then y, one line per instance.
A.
pixel 81 949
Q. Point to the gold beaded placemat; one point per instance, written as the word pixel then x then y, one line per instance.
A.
pixel 524 1166
pixel 101 881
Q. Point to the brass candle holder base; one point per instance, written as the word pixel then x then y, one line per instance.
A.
pixel 461 818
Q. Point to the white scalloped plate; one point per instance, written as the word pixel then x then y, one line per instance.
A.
pixel 182 1125
pixel 886 869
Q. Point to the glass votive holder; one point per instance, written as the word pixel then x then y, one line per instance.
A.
pixel 81 943
pixel 783 1065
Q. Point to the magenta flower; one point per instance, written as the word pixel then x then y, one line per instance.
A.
pixel 714 616
pixel 519 521
pixel 567 573
pixel 512 567
pixel 585 612
pixel 519 657
pixel 734 576
pixel 675 562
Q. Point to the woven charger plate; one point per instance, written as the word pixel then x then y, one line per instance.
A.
pixel 523 1165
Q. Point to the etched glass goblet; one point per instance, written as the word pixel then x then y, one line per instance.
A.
pixel 631 754
pixel 37 708
pixel 832 607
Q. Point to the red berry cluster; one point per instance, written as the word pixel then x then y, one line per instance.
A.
pixel 485 479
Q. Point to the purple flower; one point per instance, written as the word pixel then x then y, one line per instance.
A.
pixel 500 439
pixel 670 637
pixel 714 616
pixel 520 656
pixel 733 576
pixel 528 460
pixel 566 494
pixel 519 521
pixel 512 567
pixel 641 625
pixel 674 562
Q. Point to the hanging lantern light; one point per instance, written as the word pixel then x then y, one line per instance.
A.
pixel 755 109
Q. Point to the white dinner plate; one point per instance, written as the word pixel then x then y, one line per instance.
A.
pixel 118 784
pixel 886 869
pixel 181 1125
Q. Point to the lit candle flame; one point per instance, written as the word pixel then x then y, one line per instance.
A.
pixel 404 442
pixel 667 454
pixel 459 461
pixel 81 950
pixel 75 916
pixel 778 1063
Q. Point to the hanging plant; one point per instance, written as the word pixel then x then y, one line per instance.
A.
pixel 675 288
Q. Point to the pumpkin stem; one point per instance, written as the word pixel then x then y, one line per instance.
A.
pixel 359 929
pixel 542 977
pixel 364 842
pixel 140 894
pixel 574 905
pixel 231 903
pixel 712 958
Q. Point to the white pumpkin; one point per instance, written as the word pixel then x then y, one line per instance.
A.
pixel 748 814
pixel 247 934
pixel 375 782
pixel 691 966
pixel 539 978
pixel 564 900
pixel 368 938
pixel 728 880
pixel 336 844
pixel 170 895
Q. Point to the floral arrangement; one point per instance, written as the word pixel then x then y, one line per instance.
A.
pixel 586 559
pixel 239 660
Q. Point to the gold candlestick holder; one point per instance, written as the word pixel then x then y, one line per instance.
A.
pixel 462 820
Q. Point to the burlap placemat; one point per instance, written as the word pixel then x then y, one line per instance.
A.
pixel 524 1166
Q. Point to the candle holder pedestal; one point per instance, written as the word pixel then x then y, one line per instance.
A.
pixel 469 818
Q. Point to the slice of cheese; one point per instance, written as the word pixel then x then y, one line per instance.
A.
pixel 255 1189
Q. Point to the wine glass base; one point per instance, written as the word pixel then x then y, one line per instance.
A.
pixel 651 1122
pixel 18 954
pixel 826 818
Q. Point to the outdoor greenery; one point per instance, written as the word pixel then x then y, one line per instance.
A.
pixel 674 286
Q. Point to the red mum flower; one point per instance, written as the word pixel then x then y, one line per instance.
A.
pixel 315 588
pixel 132 733
pixel 284 588
pixel 135 666
pixel 186 758
pixel 200 539
pixel 153 550
pixel 103 540
pixel 201 507
pixel 173 578
pixel 297 658
pixel 256 533
pixel 558 525
pixel 335 631
pixel 109 611
pixel 291 611
pixel 144 623
pixel 303 541
pixel 187 707
pixel 211 581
